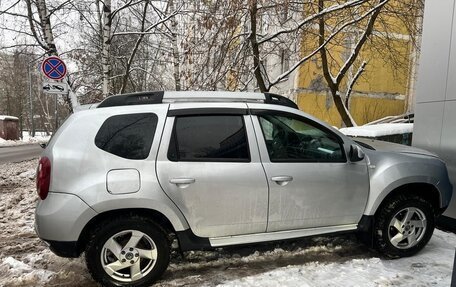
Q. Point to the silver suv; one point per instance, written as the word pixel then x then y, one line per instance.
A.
pixel 213 169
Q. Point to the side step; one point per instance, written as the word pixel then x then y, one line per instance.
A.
pixel 279 235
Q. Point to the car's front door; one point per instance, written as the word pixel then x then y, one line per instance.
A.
pixel 311 182
pixel 209 165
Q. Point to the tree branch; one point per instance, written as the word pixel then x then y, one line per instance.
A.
pixel 360 44
pixel 352 83
pixel 10 7
pixel 330 37
pixel 307 20
pixel 135 48
pixel 32 26
pixel 147 31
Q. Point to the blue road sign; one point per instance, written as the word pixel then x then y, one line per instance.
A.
pixel 54 68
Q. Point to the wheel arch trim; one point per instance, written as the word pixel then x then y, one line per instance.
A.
pixel 405 185
pixel 159 217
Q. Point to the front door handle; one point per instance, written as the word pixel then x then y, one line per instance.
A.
pixel 182 182
pixel 282 180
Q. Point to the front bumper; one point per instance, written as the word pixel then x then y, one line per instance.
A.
pixel 60 219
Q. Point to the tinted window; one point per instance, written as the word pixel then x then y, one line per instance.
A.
pixel 290 139
pixel 128 136
pixel 209 138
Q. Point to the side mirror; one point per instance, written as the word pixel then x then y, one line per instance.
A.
pixel 43 145
pixel 356 153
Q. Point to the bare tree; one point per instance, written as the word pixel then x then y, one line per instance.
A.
pixel 133 45
pixel 334 82
pixel 329 22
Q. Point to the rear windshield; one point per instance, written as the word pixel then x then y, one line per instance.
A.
pixel 128 136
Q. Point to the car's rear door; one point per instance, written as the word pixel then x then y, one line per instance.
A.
pixel 311 182
pixel 209 165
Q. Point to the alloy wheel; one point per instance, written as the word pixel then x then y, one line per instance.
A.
pixel 407 228
pixel 128 255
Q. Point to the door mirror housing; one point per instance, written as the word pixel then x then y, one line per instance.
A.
pixel 356 153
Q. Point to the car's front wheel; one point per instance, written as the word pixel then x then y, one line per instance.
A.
pixel 404 225
pixel 125 252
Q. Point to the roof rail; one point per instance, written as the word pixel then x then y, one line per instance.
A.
pixel 144 98
pixel 279 100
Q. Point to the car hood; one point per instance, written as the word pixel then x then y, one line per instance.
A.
pixel 393 147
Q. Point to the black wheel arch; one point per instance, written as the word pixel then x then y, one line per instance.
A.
pixel 426 191
pixel 154 215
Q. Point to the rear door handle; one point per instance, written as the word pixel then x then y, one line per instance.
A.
pixel 182 182
pixel 282 180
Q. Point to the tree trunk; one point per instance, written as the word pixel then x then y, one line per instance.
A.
pixel 333 85
pixel 106 50
pixel 253 9
pixel 45 22
pixel 344 114
pixel 175 47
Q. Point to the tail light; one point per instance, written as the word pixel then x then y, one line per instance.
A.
pixel 43 177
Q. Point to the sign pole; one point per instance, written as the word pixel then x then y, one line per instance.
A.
pixel 32 118
pixel 56 115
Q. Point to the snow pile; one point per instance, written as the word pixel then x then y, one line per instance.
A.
pixel 40 137
pixel 24 273
pixel 3 117
pixel 378 130
pixel 431 267
pixel 24 259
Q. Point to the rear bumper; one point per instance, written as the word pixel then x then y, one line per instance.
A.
pixel 60 218
pixel 67 249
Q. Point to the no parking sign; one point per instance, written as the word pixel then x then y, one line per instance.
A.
pixel 54 68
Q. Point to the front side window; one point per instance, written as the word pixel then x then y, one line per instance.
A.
pixel 289 139
pixel 128 136
pixel 209 138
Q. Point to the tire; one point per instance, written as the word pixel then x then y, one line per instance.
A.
pixel 403 226
pixel 124 248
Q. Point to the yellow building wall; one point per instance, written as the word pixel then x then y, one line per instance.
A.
pixel 381 91
pixel 363 109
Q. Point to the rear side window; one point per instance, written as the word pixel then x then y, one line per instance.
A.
pixel 128 136
pixel 209 138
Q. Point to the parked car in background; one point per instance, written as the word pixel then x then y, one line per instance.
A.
pixel 215 169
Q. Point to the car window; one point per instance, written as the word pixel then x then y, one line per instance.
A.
pixel 291 139
pixel 209 138
pixel 128 136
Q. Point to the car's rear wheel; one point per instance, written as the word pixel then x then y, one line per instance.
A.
pixel 404 225
pixel 127 252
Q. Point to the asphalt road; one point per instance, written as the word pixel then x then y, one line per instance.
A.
pixel 19 153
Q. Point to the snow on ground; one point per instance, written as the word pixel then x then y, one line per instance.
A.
pixel 40 137
pixel 378 130
pixel 4 117
pixel 317 261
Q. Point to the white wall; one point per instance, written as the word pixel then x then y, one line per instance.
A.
pixel 435 110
